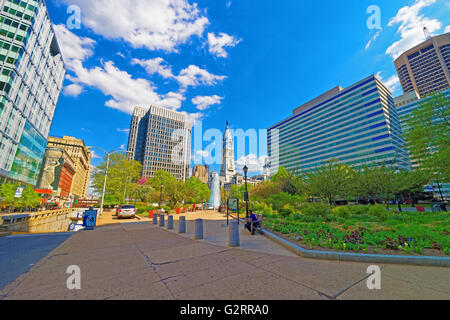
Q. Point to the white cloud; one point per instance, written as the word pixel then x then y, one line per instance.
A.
pixel 218 43
pixel 392 83
pixel 156 65
pixel 195 76
pixel 153 24
pixel 73 90
pixel 74 49
pixel 191 76
pixel 123 130
pixel 122 147
pixel 94 155
pixel 194 117
pixel 204 102
pixel 411 27
pixel 253 163
pixel 447 29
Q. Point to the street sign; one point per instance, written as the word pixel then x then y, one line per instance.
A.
pixel 19 192
pixel 233 204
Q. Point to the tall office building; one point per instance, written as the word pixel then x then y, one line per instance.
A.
pixel 425 67
pixel 81 157
pixel 160 139
pixel 227 170
pixel 358 125
pixel 31 77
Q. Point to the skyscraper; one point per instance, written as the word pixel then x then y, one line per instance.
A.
pixel 425 67
pixel 358 125
pixel 227 170
pixel 31 77
pixel 160 139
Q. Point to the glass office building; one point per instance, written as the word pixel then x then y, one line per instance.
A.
pixel 31 76
pixel 358 125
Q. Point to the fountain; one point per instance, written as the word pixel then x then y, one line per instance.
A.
pixel 214 200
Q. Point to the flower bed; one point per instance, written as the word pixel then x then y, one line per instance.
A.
pixel 409 233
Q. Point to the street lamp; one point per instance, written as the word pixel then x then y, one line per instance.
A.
pixel 246 190
pixel 160 195
pixel 106 173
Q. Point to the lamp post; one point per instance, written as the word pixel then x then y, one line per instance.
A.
pixel 246 191
pixel 160 195
pixel 106 173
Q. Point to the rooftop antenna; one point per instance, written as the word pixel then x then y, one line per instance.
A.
pixel 427 33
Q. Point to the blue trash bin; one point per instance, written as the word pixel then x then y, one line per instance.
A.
pixel 89 219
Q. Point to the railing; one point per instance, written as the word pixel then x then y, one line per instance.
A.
pixel 37 222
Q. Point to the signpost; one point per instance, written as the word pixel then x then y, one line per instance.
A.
pixel 19 192
pixel 233 204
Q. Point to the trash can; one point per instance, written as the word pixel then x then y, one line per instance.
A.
pixel 151 213
pixel 89 219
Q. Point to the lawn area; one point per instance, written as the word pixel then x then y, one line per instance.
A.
pixel 365 229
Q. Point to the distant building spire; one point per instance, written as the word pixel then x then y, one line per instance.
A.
pixel 427 33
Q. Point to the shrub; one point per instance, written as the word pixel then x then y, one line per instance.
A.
pixel 342 212
pixel 358 210
pixel 262 208
pixel 378 211
pixel 278 201
pixel 317 210
pixel 286 211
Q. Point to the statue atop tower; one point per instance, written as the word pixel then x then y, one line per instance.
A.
pixel 227 171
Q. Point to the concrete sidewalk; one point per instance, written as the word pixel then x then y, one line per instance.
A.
pixel 143 261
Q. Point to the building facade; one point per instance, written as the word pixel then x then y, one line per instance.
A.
pixel 358 126
pixel 31 77
pixel 81 157
pixel 56 175
pixel 425 67
pixel 160 139
pixel 201 172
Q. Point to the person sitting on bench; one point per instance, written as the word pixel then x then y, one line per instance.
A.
pixel 252 219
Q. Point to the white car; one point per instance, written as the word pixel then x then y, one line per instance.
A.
pixel 126 211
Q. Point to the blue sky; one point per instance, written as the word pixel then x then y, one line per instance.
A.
pixel 249 62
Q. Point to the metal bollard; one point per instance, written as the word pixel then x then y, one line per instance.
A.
pixel 182 225
pixel 170 222
pixel 161 220
pixel 233 234
pixel 198 233
pixel 155 218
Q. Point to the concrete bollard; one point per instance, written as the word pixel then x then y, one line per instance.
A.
pixel 155 218
pixel 233 234
pixel 182 225
pixel 170 222
pixel 198 233
pixel 161 220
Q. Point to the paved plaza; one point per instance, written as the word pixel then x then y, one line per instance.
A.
pixel 137 260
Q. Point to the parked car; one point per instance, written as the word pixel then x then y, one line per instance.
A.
pixel 126 211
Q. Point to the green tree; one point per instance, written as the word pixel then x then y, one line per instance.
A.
pixel 173 191
pixel 196 191
pixel 7 192
pixel 428 137
pixel 121 174
pixel 288 181
pixel 30 198
pixel 330 181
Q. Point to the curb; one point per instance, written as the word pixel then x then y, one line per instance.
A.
pixel 358 257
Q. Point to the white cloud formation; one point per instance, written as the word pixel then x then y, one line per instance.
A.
pixel 191 76
pixel 253 163
pixel 94 155
pixel 204 102
pixel 73 90
pixel 411 27
pixel 123 130
pixel 392 83
pixel 447 29
pixel 218 43
pixel 74 49
pixel 157 65
pixel 153 24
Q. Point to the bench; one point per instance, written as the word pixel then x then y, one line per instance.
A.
pixel 257 225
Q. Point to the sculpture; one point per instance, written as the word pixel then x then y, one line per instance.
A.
pixel 214 200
